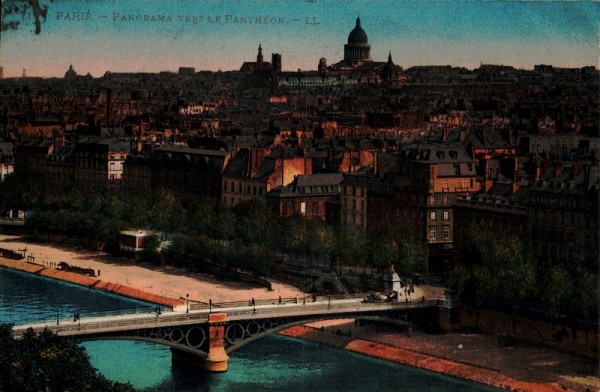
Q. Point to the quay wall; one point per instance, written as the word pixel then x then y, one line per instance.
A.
pixel 423 361
pixel 564 338
pixel 88 281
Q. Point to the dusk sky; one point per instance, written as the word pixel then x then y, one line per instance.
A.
pixel 162 35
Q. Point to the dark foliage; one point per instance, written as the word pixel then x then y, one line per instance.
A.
pixel 47 362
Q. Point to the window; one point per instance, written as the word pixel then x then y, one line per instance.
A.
pixel 225 185
pixel 445 215
pixel 315 208
pixel 432 215
pixel 446 232
pixel 432 233
pixel 248 189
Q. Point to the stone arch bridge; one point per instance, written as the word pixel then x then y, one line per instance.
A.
pixel 211 334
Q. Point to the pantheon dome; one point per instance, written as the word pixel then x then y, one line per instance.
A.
pixel 357 50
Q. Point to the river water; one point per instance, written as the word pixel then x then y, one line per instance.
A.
pixel 272 364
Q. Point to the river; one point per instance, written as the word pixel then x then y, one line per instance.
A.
pixel 272 364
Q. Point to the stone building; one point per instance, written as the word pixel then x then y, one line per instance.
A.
pixel 354 187
pixel 178 168
pixel 315 196
pixel 99 161
pixel 414 192
pixel 254 171
pixel 562 208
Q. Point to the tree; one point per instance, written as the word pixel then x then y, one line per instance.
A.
pixel 494 267
pixel 383 249
pixel 224 227
pixel 47 362
pixel 14 11
pixel 320 238
pixel 254 223
pixel 412 258
pixel 351 247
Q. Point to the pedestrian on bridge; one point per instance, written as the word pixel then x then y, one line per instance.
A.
pixel 253 303
pixel 279 303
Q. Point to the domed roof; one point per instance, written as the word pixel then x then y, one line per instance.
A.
pixel 357 35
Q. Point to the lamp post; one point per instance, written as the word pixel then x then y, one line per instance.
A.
pixel 187 303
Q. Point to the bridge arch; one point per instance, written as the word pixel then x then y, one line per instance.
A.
pixel 276 326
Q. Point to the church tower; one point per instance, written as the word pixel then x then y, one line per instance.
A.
pixel 259 58
pixel 357 50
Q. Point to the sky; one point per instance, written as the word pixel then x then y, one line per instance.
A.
pixel 96 36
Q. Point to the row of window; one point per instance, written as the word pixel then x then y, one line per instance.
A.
pixel 433 233
pixel 354 203
pixel 461 185
pixel 354 191
pixel 445 215
pixel 250 190
pixel 290 208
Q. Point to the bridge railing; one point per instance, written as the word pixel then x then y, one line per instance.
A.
pixel 65 319
pixel 326 307
pixel 134 320
pixel 197 305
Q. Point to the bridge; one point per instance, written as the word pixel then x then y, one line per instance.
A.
pixel 211 333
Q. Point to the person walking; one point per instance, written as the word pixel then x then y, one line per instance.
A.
pixel 279 303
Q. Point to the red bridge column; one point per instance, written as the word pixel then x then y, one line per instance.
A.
pixel 217 358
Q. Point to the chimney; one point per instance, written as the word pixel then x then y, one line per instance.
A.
pixel 109 119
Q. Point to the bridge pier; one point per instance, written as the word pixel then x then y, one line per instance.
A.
pixel 217 358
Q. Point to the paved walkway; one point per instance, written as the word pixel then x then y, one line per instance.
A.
pixel 160 281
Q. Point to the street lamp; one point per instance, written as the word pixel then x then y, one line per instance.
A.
pixel 187 303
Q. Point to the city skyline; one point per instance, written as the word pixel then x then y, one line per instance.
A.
pixel 148 36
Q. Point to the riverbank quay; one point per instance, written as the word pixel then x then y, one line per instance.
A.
pixel 90 282
pixel 473 357
pixel 161 281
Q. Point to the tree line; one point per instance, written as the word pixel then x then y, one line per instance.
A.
pixel 494 269
pixel 202 235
